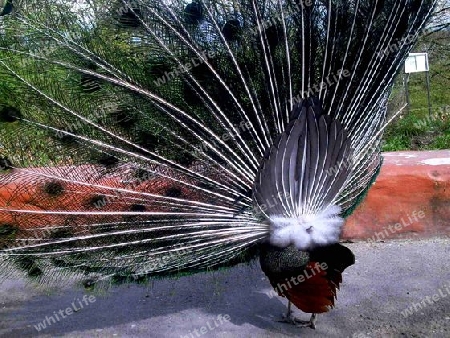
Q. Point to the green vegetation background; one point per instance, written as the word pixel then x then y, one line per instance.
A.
pixel 414 129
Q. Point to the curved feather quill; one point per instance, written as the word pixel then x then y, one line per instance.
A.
pixel 154 126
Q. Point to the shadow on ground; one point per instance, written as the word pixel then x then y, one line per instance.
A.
pixel 386 279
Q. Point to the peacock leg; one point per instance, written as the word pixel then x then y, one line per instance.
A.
pixel 313 320
pixel 291 319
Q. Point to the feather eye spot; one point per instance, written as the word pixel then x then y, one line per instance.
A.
pixel 148 141
pixel 173 192
pixel 34 271
pixel 193 13
pixel 5 164
pixel 8 8
pixel 7 234
pixel 129 15
pixel 61 233
pixel 89 284
pixel 53 188
pixel 89 83
pixel 274 36
pixel 63 138
pixel 97 201
pixel 108 160
pixel 123 117
pixel 120 279
pixel 7 230
pixel 231 29
pixel 9 114
pixel 185 159
pixel 143 175
pixel 137 208
pixel 29 266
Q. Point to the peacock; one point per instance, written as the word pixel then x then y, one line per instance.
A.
pixel 145 139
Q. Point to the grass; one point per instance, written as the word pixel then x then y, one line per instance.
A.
pixel 412 130
pixel 417 129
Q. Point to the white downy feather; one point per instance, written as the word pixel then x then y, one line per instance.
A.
pixel 307 231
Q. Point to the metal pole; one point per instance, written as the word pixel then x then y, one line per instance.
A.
pixel 405 81
pixel 428 90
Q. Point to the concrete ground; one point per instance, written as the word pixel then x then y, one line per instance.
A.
pixel 386 279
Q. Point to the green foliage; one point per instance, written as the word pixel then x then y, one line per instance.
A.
pixel 52 54
pixel 418 130
pixel 414 130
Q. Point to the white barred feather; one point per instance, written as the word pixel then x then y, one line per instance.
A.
pixel 176 136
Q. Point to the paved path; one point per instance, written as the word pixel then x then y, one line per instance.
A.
pixel 386 279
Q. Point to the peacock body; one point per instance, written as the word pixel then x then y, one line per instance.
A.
pixel 148 139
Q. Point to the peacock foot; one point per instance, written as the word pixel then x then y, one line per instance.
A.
pixel 291 319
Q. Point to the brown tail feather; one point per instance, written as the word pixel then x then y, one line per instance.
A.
pixel 310 280
pixel 316 294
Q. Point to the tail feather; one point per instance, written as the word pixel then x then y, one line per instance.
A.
pixel 316 294
pixel 195 95
pixel 308 279
pixel 292 189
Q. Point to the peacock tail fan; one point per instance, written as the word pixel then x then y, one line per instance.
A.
pixel 139 137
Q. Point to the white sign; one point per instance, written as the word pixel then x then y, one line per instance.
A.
pixel 416 62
